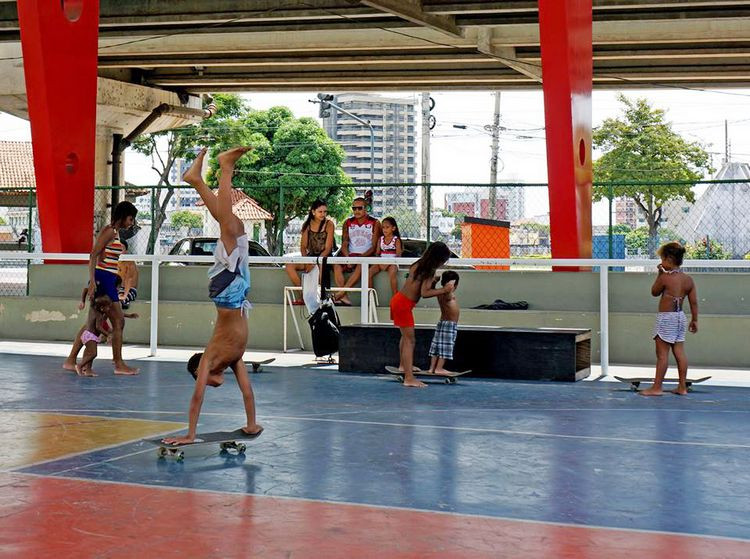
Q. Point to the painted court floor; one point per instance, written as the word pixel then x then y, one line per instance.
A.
pixel 357 466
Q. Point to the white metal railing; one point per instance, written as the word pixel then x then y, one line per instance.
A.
pixel 603 264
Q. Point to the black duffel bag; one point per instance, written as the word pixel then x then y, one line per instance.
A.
pixel 324 323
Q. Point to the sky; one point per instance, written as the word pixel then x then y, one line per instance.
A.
pixel 463 155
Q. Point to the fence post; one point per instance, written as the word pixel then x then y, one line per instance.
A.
pixel 29 233
pixel 429 212
pixel 604 319
pixel 153 339
pixel 151 236
pixel 609 198
pixel 280 239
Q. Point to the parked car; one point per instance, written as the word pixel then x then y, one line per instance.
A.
pixel 205 246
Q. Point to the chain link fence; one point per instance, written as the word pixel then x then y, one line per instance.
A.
pixel 711 218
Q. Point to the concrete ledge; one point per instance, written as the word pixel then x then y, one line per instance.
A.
pixel 720 342
pixel 552 354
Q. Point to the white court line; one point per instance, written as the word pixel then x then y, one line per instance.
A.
pixel 387 508
pixel 468 429
pixel 83 466
pixel 398 410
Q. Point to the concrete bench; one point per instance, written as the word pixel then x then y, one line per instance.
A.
pixel 559 354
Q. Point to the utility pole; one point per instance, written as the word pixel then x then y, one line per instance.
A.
pixel 425 217
pixel 495 128
pixel 326 102
pixel 727 149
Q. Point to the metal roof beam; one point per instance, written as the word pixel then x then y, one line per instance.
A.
pixel 506 55
pixel 411 10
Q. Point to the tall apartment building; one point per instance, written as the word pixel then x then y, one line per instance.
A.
pixel 394 123
pixel 626 213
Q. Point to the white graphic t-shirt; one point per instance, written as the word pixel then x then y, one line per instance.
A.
pixel 360 234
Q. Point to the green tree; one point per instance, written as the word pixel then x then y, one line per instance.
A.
pixel 637 240
pixel 293 163
pixel 185 218
pixel 166 146
pixel 621 229
pixel 706 249
pixel 642 147
pixel 409 222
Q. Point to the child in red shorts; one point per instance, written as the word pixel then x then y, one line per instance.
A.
pixel 419 283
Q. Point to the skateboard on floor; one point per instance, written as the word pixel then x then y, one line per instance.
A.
pixel 448 379
pixel 227 440
pixel 636 381
pixel 258 365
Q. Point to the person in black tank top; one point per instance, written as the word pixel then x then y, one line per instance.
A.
pixel 317 240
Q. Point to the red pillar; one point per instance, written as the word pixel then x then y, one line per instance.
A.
pixel 60 40
pixel 567 67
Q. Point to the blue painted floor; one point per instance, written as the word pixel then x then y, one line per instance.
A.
pixel 592 454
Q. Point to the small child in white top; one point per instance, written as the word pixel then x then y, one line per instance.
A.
pixel 388 245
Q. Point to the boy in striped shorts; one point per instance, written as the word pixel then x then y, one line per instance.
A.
pixel 447 329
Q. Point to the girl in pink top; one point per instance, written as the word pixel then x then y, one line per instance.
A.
pixel 390 245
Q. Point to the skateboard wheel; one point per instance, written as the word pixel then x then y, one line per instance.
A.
pixel 161 452
pixel 401 378
pixel 180 456
pixel 224 446
pixel 241 448
pixel 450 380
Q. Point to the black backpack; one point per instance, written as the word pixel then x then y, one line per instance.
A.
pixel 324 323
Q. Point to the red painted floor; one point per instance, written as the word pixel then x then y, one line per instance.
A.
pixel 58 517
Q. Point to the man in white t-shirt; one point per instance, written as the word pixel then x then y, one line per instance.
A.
pixel 359 237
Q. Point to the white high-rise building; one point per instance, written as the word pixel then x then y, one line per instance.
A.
pixel 394 121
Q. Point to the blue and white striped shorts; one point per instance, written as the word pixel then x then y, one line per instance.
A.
pixel 670 326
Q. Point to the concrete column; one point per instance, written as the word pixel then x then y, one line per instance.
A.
pixel 567 67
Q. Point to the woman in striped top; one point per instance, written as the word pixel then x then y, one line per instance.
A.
pixel 103 262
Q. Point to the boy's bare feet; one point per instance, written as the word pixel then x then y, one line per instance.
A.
pixel 85 372
pixel 651 392
pixel 69 365
pixel 253 429
pixel 228 158
pixel 444 372
pixel 123 369
pixel 193 174
pixel 679 391
pixel 414 368
pixel 411 381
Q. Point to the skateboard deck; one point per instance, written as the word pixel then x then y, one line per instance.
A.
pixel 227 440
pixel 258 365
pixel 635 382
pixel 448 379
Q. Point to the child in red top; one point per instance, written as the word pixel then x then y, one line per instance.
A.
pixel 419 283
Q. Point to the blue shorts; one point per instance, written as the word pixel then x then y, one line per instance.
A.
pixel 106 284
pixel 233 295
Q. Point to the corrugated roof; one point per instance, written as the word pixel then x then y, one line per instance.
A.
pixel 246 208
